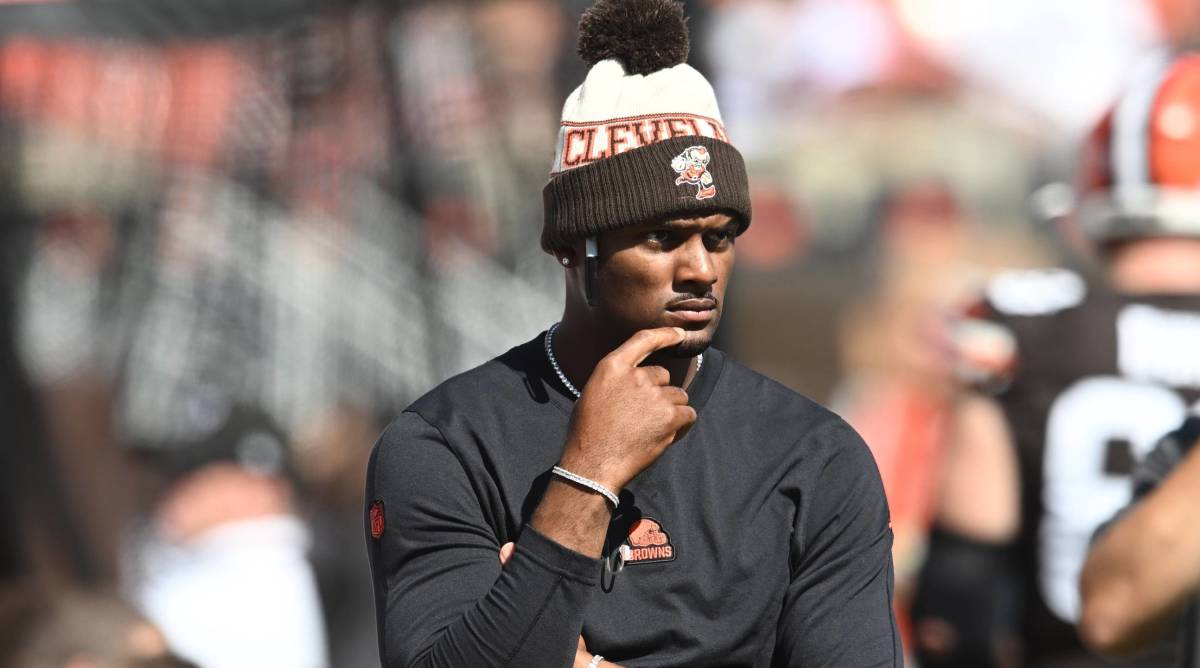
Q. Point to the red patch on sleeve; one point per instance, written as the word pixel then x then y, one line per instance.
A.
pixel 377 521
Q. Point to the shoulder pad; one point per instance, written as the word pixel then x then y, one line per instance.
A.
pixel 1035 291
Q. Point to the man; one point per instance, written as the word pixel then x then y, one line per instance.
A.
pixel 1143 571
pixel 669 507
pixel 1079 379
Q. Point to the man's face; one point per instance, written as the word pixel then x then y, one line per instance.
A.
pixel 668 274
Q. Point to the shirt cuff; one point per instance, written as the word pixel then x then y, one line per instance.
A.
pixel 554 557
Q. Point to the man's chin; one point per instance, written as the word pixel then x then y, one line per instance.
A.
pixel 696 339
pixel 693 344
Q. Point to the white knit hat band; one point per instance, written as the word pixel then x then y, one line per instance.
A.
pixel 612 112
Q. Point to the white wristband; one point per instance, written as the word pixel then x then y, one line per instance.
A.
pixel 595 662
pixel 590 484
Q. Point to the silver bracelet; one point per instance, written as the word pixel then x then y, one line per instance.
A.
pixel 590 484
pixel 595 662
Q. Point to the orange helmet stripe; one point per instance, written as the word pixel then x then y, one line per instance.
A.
pixel 1174 151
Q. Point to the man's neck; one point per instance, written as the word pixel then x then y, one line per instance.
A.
pixel 580 345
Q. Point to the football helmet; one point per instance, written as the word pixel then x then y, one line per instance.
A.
pixel 1140 170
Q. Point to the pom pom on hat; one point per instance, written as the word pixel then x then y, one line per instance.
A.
pixel 643 35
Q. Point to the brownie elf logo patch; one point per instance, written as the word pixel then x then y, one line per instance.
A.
pixel 692 167
pixel 377 521
pixel 647 543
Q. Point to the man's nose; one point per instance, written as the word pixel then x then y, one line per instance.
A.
pixel 695 263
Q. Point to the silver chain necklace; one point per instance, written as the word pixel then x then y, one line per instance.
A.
pixel 562 377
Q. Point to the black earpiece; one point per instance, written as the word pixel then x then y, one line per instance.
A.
pixel 591 270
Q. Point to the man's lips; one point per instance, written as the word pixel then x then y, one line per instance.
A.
pixel 693 310
pixel 697 304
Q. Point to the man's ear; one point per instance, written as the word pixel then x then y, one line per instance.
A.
pixel 566 256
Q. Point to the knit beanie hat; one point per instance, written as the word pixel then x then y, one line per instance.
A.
pixel 641 139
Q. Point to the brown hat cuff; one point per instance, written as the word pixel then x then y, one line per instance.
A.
pixel 638 186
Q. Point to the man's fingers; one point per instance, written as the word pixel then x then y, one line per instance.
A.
pixel 506 553
pixel 658 375
pixel 676 394
pixel 684 417
pixel 639 346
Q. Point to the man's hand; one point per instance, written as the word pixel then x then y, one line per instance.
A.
pixel 626 417
pixel 627 414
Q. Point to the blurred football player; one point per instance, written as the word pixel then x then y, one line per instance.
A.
pixel 1073 382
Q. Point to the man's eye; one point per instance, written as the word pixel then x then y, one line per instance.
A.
pixel 658 236
pixel 720 237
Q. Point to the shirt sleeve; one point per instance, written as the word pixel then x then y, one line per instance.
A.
pixel 837 610
pixel 441 598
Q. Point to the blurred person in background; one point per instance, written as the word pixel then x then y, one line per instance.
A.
pixel 1142 575
pixel 897 385
pixel 91 630
pixel 1074 380
pixel 221 566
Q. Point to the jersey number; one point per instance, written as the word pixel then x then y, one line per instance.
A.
pixel 1079 490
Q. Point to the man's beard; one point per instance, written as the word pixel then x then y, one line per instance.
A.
pixel 693 346
pixel 689 350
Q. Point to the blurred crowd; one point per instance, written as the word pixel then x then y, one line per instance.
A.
pixel 240 237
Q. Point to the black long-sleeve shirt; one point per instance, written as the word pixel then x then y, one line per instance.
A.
pixel 761 538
